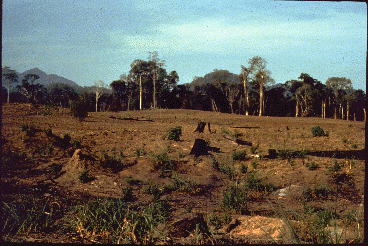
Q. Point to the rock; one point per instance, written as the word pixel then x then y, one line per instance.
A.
pixel 288 192
pixel 263 229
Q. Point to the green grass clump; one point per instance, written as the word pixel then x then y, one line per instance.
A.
pixel 312 165
pixel 173 134
pixel 235 198
pixel 239 155
pixel 335 168
pixel 27 216
pixel 318 132
pixel 163 163
pixel 254 148
pixel 317 192
pixel 219 220
pixel 115 221
pixel 257 184
pixel 140 152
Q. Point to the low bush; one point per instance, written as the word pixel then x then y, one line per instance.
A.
pixel 318 131
pixel 239 155
pixel 114 162
pixel 79 109
pixel 254 148
pixel 312 165
pixel 174 134
pixel 235 198
pixel 162 162
pixel 257 184
pixel 243 168
pixel 219 220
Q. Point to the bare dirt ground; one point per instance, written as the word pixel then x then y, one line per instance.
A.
pixel 134 132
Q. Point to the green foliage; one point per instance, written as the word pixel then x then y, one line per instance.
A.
pixel 312 165
pixel 219 220
pixel 174 134
pixel 27 216
pixel 254 164
pixel 255 183
pixel 46 149
pixel 318 131
pixel 335 168
pixel 162 162
pixel 227 170
pixel 254 148
pixel 235 197
pixel 243 168
pixel 354 146
pixel 239 155
pixel 316 192
pixel 79 109
pixel 189 187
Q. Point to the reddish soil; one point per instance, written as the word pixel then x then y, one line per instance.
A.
pixel 144 130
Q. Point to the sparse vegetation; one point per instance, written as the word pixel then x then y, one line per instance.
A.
pixel 312 165
pixel 239 155
pixel 173 134
pixel 318 132
pixel 235 198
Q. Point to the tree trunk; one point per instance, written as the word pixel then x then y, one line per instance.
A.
pixel 335 112
pixel 96 101
pixel 8 94
pixel 154 90
pixel 347 111
pixel 140 92
pixel 342 111
pixel 364 115
pixel 246 98
pixel 261 106
pixel 297 109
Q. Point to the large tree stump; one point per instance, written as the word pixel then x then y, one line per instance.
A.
pixel 200 147
pixel 200 127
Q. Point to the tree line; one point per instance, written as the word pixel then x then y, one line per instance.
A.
pixel 251 92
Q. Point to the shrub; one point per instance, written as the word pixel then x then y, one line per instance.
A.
pixel 254 148
pixel 49 132
pixel 239 155
pixel 220 220
pixel 227 170
pixel 335 168
pixel 243 168
pixel 235 197
pixel 257 184
pixel 312 166
pixel 162 162
pixel 316 192
pixel 354 146
pixel 133 181
pixel 174 134
pixel 79 109
pixel 318 131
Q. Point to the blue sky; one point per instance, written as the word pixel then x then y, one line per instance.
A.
pixel 87 41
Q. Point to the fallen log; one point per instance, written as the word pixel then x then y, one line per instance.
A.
pixel 235 140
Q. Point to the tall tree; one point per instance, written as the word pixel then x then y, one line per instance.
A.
pixel 31 90
pixel 338 85
pixel 262 77
pixel 10 77
pixel 61 94
pixel 245 71
pixel 155 64
pixel 98 87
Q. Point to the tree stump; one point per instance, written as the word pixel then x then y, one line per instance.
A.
pixel 200 127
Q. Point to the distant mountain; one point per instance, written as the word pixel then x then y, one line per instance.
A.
pixel 46 79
